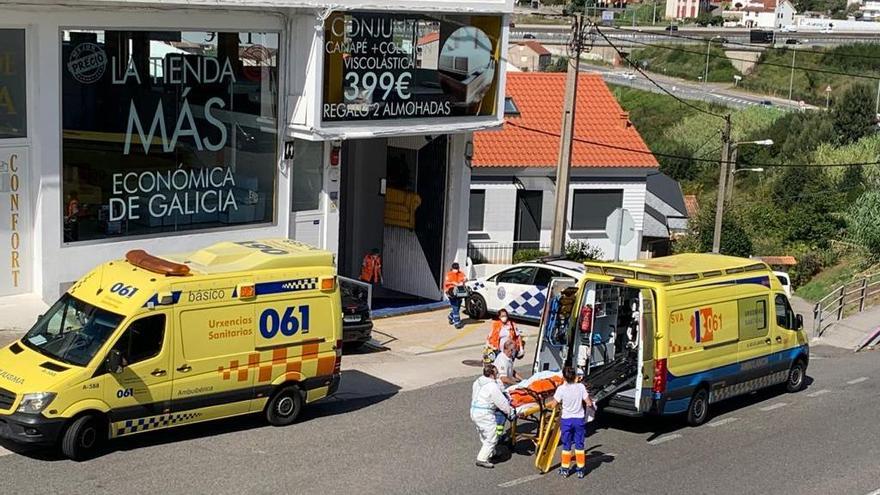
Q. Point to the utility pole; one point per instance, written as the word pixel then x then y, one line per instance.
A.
pixel 731 170
pixel 791 79
pixel 722 181
pixel 580 27
pixel 877 105
pixel 654 17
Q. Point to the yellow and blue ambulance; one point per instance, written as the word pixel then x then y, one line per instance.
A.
pixel 674 334
pixel 149 342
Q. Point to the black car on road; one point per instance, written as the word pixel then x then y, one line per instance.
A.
pixel 357 326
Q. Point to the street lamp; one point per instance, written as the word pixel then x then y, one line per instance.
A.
pixel 725 181
pixel 708 46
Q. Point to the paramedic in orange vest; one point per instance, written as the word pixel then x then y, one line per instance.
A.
pixel 371 270
pixel 502 330
pixel 454 278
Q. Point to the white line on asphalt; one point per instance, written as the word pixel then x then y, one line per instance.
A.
pixel 520 481
pixel 664 438
pixel 774 406
pixel 721 422
pixel 857 380
pixel 4 452
pixel 817 393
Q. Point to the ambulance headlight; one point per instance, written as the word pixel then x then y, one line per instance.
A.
pixel 35 403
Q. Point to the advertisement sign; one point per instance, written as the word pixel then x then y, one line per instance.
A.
pixel 380 66
pixel 167 131
pixel 13 89
pixel 15 225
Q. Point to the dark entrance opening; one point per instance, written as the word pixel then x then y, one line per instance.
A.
pixel 527 228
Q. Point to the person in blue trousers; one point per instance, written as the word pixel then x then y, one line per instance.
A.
pixel 574 399
pixel 454 278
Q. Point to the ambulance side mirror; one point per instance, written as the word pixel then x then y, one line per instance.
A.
pixel 798 322
pixel 114 361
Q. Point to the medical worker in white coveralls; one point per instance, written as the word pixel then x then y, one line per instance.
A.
pixel 487 398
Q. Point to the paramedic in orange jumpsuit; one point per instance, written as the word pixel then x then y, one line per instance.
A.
pixel 453 279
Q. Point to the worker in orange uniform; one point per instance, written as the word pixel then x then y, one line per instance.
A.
pixel 503 329
pixel 371 270
pixel 455 289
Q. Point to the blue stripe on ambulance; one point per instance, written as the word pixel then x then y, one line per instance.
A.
pixel 729 373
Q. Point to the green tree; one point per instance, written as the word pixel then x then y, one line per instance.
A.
pixel 557 64
pixel 853 116
pixel 735 241
pixel 863 219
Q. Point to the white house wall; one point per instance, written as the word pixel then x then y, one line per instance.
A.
pixel 500 211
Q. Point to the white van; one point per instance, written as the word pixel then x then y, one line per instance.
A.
pixel 785 280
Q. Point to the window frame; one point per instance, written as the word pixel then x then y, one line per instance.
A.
pixel 28 89
pixel 293 170
pixel 587 191
pixel 125 333
pixel 482 209
pixel 521 267
pixel 280 127
pixel 790 315
pixel 553 274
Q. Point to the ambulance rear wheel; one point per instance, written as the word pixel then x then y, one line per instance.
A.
pixel 83 438
pixel 285 406
pixel 698 410
pixel 476 307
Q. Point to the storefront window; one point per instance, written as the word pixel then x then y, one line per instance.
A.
pixel 308 175
pixel 13 89
pixel 167 131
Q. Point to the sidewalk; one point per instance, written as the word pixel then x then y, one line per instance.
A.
pixel 18 314
pixel 848 333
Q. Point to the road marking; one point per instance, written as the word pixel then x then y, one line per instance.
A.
pixel 817 393
pixel 857 380
pixel 4 452
pixel 461 334
pixel 520 481
pixel 722 422
pixel 774 406
pixel 664 438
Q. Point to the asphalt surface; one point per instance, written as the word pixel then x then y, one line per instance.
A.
pixel 822 440
pixel 710 93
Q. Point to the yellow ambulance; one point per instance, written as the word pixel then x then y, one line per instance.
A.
pixel 673 335
pixel 152 342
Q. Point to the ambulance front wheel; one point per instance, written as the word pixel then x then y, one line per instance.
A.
pixel 796 377
pixel 698 409
pixel 83 438
pixel 285 406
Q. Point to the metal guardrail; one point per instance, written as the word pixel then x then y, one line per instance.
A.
pixel 500 254
pixel 848 299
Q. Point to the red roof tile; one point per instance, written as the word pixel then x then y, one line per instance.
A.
pixel 539 98
pixel 779 260
pixel 428 38
pixel 535 47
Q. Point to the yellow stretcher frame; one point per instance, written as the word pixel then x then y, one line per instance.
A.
pixel 545 439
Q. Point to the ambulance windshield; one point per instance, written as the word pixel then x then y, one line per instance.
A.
pixel 72 331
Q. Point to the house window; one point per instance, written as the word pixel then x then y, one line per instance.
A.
pixel 510 108
pixel 13 89
pixel 590 208
pixel 167 131
pixel 308 175
pixel 477 210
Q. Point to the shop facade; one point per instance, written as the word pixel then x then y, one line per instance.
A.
pixel 127 125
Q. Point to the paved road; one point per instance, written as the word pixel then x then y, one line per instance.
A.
pixel 711 93
pixel 822 440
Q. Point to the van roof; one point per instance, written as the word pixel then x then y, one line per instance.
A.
pixel 268 254
pixel 679 267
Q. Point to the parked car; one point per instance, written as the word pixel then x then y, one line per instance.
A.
pixel 519 289
pixel 357 325
pixel 672 27
pixel 792 41
pixel 788 29
pixel 629 76
pixel 529 36
pixel 767 103
pixel 785 280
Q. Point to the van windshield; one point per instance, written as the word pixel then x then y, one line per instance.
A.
pixel 72 331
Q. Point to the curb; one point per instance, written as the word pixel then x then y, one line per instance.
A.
pixel 407 310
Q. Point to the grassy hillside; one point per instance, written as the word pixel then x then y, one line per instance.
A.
pixel 686 61
pixel 861 59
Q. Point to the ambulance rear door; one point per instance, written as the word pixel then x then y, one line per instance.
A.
pixel 646 343
pixel 555 340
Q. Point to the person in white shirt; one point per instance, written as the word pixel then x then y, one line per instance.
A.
pixel 486 398
pixel 573 397
pixel 504 363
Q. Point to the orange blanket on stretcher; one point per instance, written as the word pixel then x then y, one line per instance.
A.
pixel 543 389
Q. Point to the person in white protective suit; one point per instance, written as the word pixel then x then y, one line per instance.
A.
pixel 486 398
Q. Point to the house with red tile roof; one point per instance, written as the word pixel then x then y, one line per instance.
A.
pixel 529 55
pixel 514 169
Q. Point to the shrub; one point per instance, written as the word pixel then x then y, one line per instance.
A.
pixel 582 251
pixel 527 255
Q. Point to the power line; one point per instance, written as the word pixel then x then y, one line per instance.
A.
pixel 655 83
pixel 750 45
pixel 755 62
pixel 692 158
